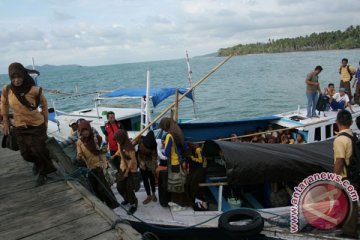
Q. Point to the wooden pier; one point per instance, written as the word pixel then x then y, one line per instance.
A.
pixel 59 209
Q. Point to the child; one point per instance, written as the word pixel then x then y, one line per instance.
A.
pixel 330 90
pixel 128 166
pixel 88 150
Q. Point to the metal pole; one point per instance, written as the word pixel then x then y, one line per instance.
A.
pixel 220 198
pixel 147 105
pixel 190 83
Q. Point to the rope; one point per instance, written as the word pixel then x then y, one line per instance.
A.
pixel 73 96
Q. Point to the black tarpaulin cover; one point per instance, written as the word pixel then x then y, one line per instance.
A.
pixel 252 163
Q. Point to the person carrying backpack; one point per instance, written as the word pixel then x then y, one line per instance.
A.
pixel 30 124
pixel 343 159
pixel 346 74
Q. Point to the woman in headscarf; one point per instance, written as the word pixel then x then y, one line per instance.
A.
pixel 128 167
pixel 174 145
pixel 88 150
pixel 30 124
pixel 147 157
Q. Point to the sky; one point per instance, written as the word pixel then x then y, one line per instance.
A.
pixel 92 33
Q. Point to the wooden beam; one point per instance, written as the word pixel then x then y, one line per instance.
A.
pixel 213 184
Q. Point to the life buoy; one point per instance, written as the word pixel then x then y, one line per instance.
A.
pixel 253 227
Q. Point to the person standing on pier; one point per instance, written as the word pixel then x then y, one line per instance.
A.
pixel 88 150
pixel 313 91
pixel 30 124
pixel 111 128
pixel 128 167
pixel 343 151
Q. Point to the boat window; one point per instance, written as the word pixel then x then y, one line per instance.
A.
pixel 317 134
pixel 131 124
pixel 328 131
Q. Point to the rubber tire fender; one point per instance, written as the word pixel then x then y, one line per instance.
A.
pixel 253 228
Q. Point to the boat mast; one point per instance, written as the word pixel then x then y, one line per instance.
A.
pixel 190 83
pixel 33 67
pixel 145 106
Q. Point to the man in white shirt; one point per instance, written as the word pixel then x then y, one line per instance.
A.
pixel 340 101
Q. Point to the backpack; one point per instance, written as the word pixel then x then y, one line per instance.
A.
pixel 322 103
pixel 353 169
pixel 348 69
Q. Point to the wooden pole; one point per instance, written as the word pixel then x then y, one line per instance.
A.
pixel 259 133
pixel 182 96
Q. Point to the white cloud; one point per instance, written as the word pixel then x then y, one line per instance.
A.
pixel 60 16
pixel 114 31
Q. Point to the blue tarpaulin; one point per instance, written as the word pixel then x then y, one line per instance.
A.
pixel 157 94
pixel 200 131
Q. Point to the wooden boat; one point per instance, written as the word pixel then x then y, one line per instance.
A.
pixel 313 129
pixel 247 168
pixel 132 117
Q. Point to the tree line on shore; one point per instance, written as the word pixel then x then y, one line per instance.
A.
pixel 348 39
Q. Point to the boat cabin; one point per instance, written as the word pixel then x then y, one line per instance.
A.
pixel 314 129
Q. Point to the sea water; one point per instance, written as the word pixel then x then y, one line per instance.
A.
pixel 246 86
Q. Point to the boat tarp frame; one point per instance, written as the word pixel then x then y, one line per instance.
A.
pixel 157 94
pixel 254 163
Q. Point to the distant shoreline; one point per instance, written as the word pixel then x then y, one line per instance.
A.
pixel 335 40
pixel 320 50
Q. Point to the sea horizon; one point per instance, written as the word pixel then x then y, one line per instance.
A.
pixel 246 86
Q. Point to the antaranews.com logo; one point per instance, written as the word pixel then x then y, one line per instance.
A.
pixel 322 200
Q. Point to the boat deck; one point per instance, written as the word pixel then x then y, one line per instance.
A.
pixel 274 228
pixel 57 210
pixel 298 118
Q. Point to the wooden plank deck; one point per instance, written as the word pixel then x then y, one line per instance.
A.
pixel 57 210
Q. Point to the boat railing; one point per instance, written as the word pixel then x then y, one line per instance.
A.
pixel 216 184
pixel 120 105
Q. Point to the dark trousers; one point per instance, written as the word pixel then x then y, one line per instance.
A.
pixel 125 187
pixel 351 223
pixel 102 188
pixel 32 147
pixel 347 87
pixel 195 177
pixel 357 94
pixel 149 181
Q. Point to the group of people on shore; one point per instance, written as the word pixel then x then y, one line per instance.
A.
pixel 336 100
